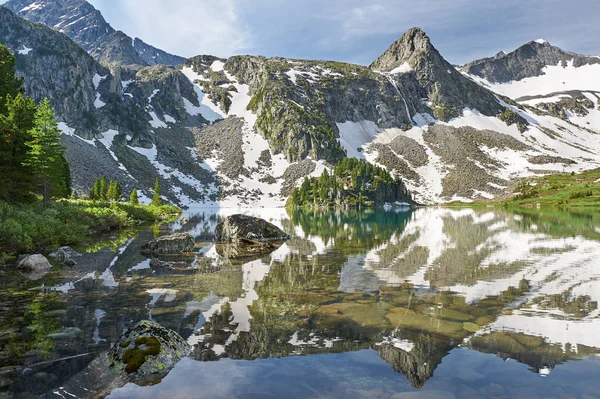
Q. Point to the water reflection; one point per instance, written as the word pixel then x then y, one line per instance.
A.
pixel 411 287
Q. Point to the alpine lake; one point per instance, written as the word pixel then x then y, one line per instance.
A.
pixel 397 303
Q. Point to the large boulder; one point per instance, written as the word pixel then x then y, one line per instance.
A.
pixel 146 349
pixel 171 244
pixel 66 256
pixel 34 263
pixel 237 229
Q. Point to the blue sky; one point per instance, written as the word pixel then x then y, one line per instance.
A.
pixel 353 30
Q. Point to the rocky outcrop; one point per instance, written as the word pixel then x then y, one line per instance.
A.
pixel 80 21
pixel 171 244
pixel 527 61
pixel 34 263
pixel 448 92
pixel 245 229
pixel 146 349
pixel 66 256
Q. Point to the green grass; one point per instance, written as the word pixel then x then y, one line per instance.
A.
pixel 27 228
pixel 563 190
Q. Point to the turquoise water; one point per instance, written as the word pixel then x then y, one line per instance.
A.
pixel 358 304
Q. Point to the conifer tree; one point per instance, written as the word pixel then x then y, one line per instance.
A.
pixel 16 179
pixel 96 190
pixel 10 85
pixel 110 194
pixel 45 155
pixel 118 191
pixel 133 197
pixel 156 198
pixel 103 188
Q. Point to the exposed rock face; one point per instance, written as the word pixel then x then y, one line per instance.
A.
pixel 237 229
pixel 527 61
pixel 171 244
pixel 80 21
pixel 447 90
pixel 66 256
pixel 146 349
pixel 34 263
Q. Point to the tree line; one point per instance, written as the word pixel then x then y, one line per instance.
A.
pixel 32 161
pixel 105 190
pixel 353 183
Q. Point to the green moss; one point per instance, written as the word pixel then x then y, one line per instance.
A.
pixel 134 358
pixel 125 344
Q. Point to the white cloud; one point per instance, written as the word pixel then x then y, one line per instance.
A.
pixel 182 27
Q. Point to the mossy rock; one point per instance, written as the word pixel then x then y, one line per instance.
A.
pixel 146 349
pixel 401 310
pixel 498 342
pixel 470 327
pixel 443 313
pixel 529 341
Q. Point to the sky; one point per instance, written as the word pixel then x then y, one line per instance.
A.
pixel 355 31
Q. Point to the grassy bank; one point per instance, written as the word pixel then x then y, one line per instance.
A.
pixel 34 228
pixel 563 190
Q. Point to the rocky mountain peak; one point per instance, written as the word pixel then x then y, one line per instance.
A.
pixel 85 25
pixel 527 61
pixel 409 49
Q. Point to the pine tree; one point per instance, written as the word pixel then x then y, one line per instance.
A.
pixel 156 198
pixel 103 188
pixel 96 190
pixel 66 183
pixel 118 191
pixel 16 178
pixel 110 194
pixel 45 155
pixel 133 197
pixel 10 85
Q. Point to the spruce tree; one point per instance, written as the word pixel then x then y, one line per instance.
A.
pixel 110 194
pixel 45 155
pixel 16 177
pixel 156 198
pixel 103 188
pixel 133 197
pixel 118 191
pixel 96 190
pixel 10 85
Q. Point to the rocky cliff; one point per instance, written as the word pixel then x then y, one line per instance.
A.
pixel 80 21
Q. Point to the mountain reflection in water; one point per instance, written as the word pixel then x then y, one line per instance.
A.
pixel 363 292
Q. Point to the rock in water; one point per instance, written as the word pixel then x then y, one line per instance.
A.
pixel 65 255
pixel 238 229
pixel 147 348
pixel 171 244
pixel 34 263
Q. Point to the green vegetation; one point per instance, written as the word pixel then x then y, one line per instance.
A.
pixel 135 357
pixel 133 197
pixel 560 190
pixel 25 228
pixel 353 183
pixel 511 118
pixel 156 201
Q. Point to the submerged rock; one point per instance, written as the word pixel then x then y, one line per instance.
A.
pixel 171 244
pixel 243 236
pixel 65 255
pixel 237 229
pixel 34 263
pixel 147 348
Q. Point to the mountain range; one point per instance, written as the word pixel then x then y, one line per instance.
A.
pixel 244 131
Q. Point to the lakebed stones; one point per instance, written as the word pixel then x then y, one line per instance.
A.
pixel 242 235
pixel 66 256
pixel 146 349
pixel 171 244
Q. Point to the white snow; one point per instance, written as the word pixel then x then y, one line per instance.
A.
pixel 99 315
pixel 156 122
pixel 217 66
pixel 294 73
pixel 541 41
pixel 98 103
pixel 169 119
pixel 207 108
pixel 404 68
pixel 25 51
pixel 65 129
pixel 555 79
pixel 34 6
pixel 97 79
